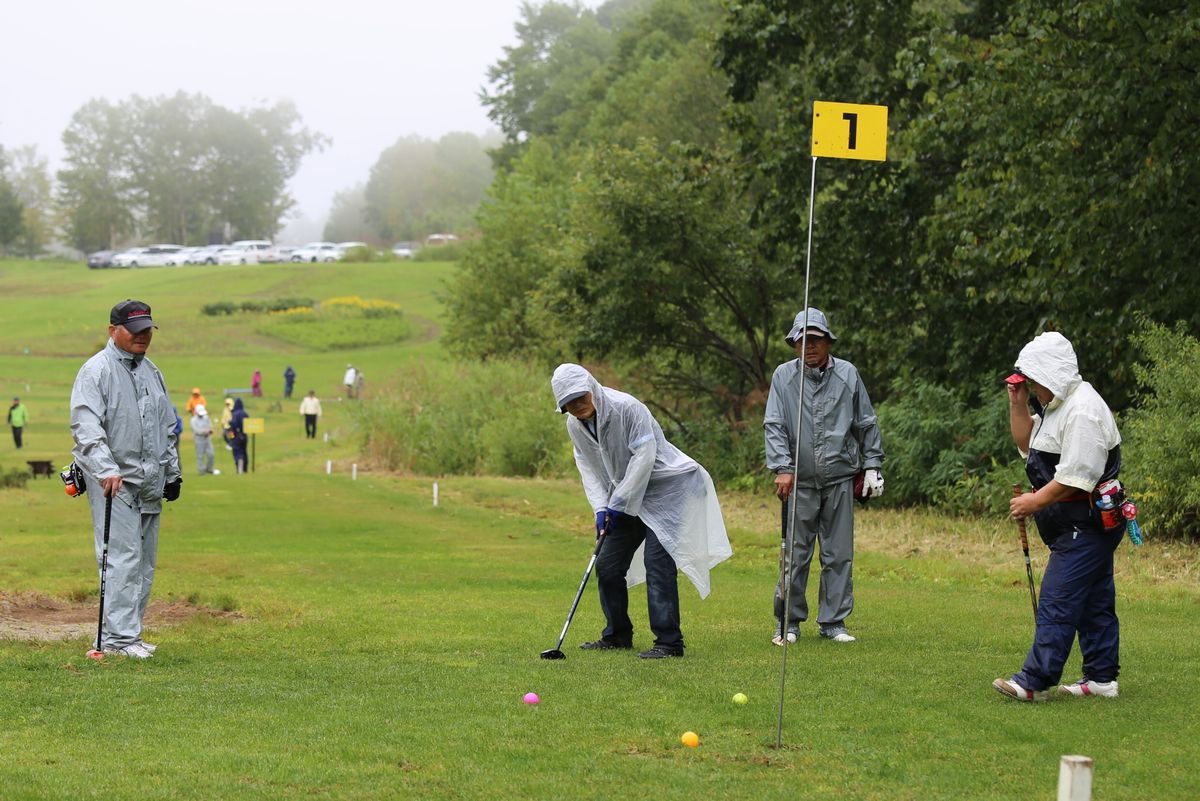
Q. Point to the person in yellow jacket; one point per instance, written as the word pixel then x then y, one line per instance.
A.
pixel 18 416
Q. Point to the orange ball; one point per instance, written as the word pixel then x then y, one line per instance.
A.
pixel 690 739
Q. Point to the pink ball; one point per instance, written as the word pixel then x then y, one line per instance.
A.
pixel 531 698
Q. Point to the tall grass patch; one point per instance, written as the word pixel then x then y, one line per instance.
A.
pixel 492 418
pixel 339 324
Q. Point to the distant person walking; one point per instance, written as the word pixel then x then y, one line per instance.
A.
pixel 124 431
pixel 197 399
pixel 202 432
pixel 237 442
pixel 310 407
pixel 289 378
pixel 226 416
pixel 256 384
pixel 350 380
pixel 18 416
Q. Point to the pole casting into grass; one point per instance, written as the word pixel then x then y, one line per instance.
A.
pixel 1025 550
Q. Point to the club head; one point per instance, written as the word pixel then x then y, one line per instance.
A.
pixel 553 653
pixel 94 654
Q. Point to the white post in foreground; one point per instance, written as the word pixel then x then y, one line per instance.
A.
pixel 327 436
pixel 328 466
pixel 1075 778
pixel 354 472
pixel 435 493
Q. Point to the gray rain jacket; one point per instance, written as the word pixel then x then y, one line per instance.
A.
pixel 840 435
pixel 123 424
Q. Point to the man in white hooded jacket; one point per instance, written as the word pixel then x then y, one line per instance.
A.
pixel 1071 447
pixel 659 506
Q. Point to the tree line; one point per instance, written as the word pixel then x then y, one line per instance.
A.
pixel 651 201
pixel 184 169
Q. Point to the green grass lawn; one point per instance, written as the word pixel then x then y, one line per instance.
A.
pixel 381 646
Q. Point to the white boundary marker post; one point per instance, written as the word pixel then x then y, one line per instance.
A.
pixel 1075 778
pixel 328 467
pixel 435 493
pixel 354 472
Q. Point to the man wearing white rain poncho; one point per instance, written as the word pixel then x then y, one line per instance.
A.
pixel 659 505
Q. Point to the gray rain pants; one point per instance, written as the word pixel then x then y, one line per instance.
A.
pixel 132 550
pixel 204 454
pixel 825 515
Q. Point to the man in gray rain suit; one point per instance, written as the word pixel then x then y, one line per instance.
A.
pixel 124 429
pixel 838 438
pixel 659 506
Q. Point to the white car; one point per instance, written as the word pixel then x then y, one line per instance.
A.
pixel 316 251
pixel 248 251
pixel 180 257
pixel 204 255
pixel 403 250
pixel 149 256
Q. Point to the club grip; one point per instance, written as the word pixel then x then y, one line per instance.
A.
pixel 1021 522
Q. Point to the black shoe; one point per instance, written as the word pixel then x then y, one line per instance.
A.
pixel 606 645
pixel 662 652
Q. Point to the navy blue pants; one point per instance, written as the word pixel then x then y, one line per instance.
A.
pixel 662 589
pixel 1078 598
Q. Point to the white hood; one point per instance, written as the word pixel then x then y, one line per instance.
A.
pixel 1050 360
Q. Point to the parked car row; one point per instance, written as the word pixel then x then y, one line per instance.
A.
pixel 247 251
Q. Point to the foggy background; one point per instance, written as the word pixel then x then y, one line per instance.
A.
pixel 362 73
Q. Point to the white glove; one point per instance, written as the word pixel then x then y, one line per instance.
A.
pixel 873 483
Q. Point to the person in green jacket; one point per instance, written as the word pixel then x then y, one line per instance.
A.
pixel 18 416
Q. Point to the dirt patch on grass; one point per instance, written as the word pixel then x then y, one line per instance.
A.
pixel 33 616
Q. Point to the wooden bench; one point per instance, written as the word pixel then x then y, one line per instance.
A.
pixel 40 468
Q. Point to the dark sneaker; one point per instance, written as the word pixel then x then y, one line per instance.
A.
pixel 661 652
pixel 606 645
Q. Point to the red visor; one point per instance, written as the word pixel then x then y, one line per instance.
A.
pixel 1015 378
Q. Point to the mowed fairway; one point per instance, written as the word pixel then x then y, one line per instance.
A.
pixel 379 647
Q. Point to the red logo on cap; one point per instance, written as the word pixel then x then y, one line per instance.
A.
pixel 138 313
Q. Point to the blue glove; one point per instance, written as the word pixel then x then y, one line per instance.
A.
pixel 600 521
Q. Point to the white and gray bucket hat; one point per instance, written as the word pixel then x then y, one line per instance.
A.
pixel 816 322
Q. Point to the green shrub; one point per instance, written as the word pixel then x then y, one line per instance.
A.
pixel 217 309
pixel 941 452
pixel 732 454
pixel 363 254
pixel 493 418
pixel 1161 448
pixel 451 251
pixel 14 478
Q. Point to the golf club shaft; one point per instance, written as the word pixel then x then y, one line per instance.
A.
pixel 1025 550
pixel 586 575
pixel 104 571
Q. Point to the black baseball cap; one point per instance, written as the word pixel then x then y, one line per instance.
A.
pixel 133 314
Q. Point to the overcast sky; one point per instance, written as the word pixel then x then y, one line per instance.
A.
pixel 363 72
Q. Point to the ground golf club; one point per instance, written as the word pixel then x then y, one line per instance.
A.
pixel 556 651
pixel 98 651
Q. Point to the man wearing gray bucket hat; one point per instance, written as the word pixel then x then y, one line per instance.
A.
pixel 839 438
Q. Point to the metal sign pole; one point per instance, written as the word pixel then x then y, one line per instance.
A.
pixel 786 611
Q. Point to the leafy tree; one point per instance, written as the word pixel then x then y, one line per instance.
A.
pixel 29 177
pixel 94 194
pixel 418 186
pixel 347 217
pixel 10 208
pixel 180 169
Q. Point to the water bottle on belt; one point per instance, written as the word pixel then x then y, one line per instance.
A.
pixel 1109 495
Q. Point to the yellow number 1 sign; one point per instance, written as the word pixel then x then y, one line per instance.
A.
pixel 849 131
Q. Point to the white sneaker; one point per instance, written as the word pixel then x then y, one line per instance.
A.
pixel 792 636
pixel 1104 689
pixel 1011 689
pixel 837 634
pixel 133 651
pixel 216 472
pixel 148 646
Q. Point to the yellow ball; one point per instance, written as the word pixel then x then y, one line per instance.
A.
pixel 690 739
pixel 740 698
